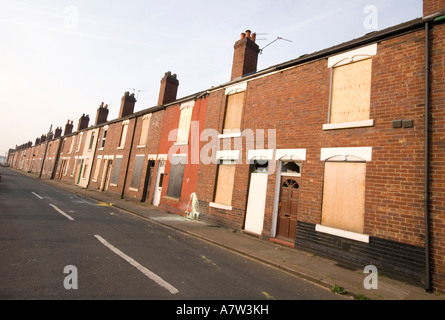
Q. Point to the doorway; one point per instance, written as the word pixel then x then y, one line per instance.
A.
pixel 159 180
pixel 257 197
pixel 148 180
pixel 288 207
pixel 106 175
pixel 288 200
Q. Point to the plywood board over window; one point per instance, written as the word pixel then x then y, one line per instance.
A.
pixel 176 177
pixel 116 171
pixel 344 196
pixel 137 172
pixel 351 92
pixel 144 131
pixel 224 187
pixel 234 110
pixel 184 124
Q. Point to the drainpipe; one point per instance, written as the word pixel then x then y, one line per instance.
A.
pixel 426 196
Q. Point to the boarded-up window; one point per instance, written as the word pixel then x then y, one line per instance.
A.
pixel 344 196
pixel 116 171
pixel 351 92
pixel 123 135
pixel 234 110
pixel 137 172
pixel 224 184
pixel 96 172
pixel 144 132
pixel 184 124
pixel 79 142
pixel 176 176
pixel 85 168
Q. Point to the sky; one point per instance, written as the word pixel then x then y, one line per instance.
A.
pixel 61 59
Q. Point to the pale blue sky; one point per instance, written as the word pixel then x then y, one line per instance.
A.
pixel 60 59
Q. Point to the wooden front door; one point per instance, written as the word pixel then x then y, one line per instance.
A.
pixel 288 207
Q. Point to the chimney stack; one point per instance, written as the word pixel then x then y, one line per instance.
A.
pixel 245 57
pixel 68 128
pixel 127 104
pixel 433 7
pixel 83 122
pixel 169 88
pixel 58 132
pixel 102 114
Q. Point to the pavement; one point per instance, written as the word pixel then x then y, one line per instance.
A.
pixel 308 266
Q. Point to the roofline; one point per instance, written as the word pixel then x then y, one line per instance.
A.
pixel 403 28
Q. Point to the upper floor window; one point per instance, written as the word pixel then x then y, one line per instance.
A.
pixel 123 134
pixel 184 122
pixel 90 146
pixel 104 137
pixel 350 98
pixel 144 132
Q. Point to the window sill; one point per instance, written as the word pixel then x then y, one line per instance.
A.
pixel 141 146
pixel 179 143
pixel 229 135
pixel 220 206
pixel 342 233
pixel 347 125
pixel 120 148
pixel 171 198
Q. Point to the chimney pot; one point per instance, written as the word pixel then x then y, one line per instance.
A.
pixel 127 104
pixel 68 128
pixel 169 88
pixel 243 35
pixel 101 114
pixel 245 57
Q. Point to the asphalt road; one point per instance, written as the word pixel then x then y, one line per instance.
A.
pixel 55 245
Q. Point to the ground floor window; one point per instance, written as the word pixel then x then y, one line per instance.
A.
pixel 224 182
pixel 344 196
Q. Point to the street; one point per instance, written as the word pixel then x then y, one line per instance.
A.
pixel 55 245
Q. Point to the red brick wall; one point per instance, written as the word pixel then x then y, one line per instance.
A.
pixel 433 6
pixel 152 147
pixel 111 149
pixel 295 102
pixel 171 122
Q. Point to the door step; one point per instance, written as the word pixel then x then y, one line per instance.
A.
pixel 283 242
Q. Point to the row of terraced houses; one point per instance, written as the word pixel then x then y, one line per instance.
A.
pixel 340 152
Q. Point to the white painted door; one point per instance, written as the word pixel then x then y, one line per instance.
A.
pixel 256 203
pixel 159 180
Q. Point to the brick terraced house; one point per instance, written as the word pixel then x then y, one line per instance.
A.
pixel 339 152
